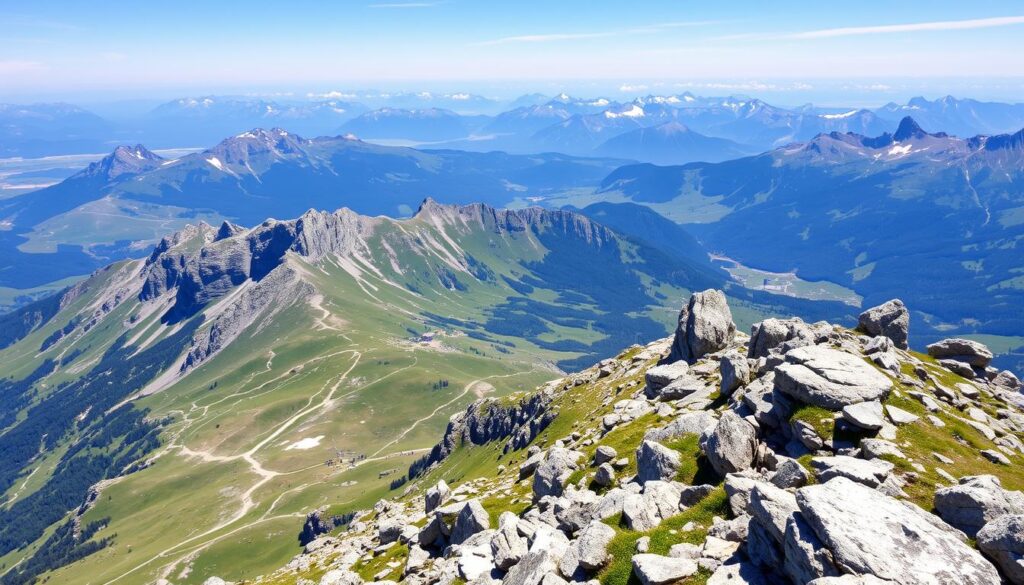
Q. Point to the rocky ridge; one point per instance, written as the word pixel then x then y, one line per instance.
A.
pixel 804 453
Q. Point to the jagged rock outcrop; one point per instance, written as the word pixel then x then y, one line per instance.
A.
pixel 489 420
pixel 705 326
pixel 829 378
pixel 890 319
pixel 870 533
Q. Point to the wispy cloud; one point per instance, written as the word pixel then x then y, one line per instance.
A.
pixel 850 31
pixel 405 4
pixel 578 36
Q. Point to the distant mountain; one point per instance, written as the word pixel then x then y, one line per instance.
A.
pixel 426 125
pixel 201 120
pixel 871 213
pixel 671 143
pixel 119 206
pixel 49 129
pixel 961 117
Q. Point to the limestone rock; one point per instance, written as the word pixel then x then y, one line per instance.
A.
pixel 976 500
pixel 890 319
pixel 705 326
pixel 658 570
pixel 963 350
pixel 771 333
pixel 551 474
pixel 732 445
pixel 436 496
pixel 473 518
pixel 866 415
pixel 829 378
pixel 507 546
pixel 735 373
pixel 592 545
pixel 655 461
pixel 867 472
pixel 868 532
pixel 1002 540
pixel 660 376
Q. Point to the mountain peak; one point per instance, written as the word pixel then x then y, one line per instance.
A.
pixel 908 129
pixel 124 160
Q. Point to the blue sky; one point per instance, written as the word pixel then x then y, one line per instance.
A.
pixel 71 48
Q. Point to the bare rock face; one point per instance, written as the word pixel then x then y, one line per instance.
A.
pixel 962 350
pixel 975 501
pixel 868 532
pixel 732 445
pixel 705 326
pixel 655 461
pixel 771 333
pixel 1002 540
pixel 829 378
pixel 891 319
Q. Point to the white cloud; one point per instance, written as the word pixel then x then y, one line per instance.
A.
pixel 627 88
pixel 849 31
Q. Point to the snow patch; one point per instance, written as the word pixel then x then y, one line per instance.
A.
pixel 215 163
pixel 839 116
pixel 307 443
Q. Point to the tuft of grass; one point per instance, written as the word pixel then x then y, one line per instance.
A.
pixel 622 548
pixel 398 552
pixel 821 419
pixel 695 468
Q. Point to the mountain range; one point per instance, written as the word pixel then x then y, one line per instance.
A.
pixel 532 123
pixel 872 213
pixel 120 205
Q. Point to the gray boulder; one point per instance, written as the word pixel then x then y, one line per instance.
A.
pixel 789 474
pixel 688 423
pixel 660 376
pixel 592 545
pixel 829 378
pixel 507 546
pixel 805 556
pixel 1002 540
pixel 436 496
pixel 891 319
pixel 867 472
pixel 604 454
pixel 732 445
pixel 975 501
pixel 551 474
pixel 473 518
pixel 771 333
pixel 655 461
pixel 868 532
pixel 963 350
pixel 605 475
pixel 532 569
pixel 735 372
pixel 658 570
pixel 866 415
pixel 1007 381
pixel 705 326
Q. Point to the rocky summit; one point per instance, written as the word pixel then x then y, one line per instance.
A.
pixel 801 453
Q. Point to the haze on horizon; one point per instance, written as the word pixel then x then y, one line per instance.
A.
pixel 79 53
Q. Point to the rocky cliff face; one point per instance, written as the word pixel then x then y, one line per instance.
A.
pixel 804 453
